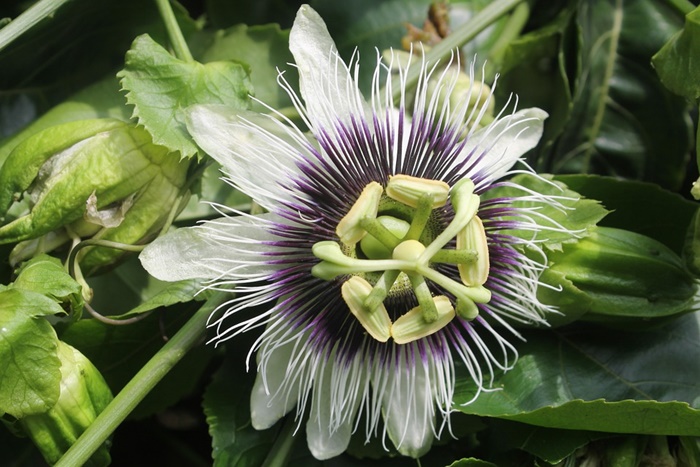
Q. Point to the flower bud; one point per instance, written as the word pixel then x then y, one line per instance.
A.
pixel 463 92
pixel 615 276
pixel 83 395
pixel 100 178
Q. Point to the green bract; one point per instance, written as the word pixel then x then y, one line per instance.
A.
pixel 615 276
pixel 102 178
pixel 83 395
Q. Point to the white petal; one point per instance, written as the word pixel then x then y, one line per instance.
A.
pixel 257 152
pixel 274 393
pixel 328 89
pixel 501 144
pixel 408 406
pixel 333 409
pixel 230 247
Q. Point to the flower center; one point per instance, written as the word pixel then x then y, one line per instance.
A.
pixel 398 242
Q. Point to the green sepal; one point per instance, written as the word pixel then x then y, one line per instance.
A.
pixel 83 395
pixel 24 162
pixel 116 164
pixel 617 276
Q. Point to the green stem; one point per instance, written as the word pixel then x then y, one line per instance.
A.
pixel 510 31
pixel 140 385
pixel 30 17
pixel 279 454
pixel 459 37
pixel 177 40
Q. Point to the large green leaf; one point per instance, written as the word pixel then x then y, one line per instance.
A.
pixel 624 122
pixel 471 462
pixel 161 87
pixel 29 366
pixel 676 62
pixel 590 378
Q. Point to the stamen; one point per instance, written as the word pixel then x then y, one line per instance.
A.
pixel 412 326
pixel 425 298
pixel 420 217
pixel 381 289
pixel 349 230
pixel 467 309
pixel 465 204
pixel 458 256
pixel 478 294
pixel 376 321
pixel 473 238
pixel 335 263
pixel 409 190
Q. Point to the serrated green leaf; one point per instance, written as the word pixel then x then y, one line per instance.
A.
pixel 590 378
pixel 161 87
pixel 624 122
pixel 577 214
pixel 644 208
pixel 46 275
pixel 676 62
pixel 29 365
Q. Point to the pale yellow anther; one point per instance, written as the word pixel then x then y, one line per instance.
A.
pixel 366 206
pixel 412 326
pixel 408 190
pixel 473 237
pixel 376 322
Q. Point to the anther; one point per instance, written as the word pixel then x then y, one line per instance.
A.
pixel 349 230
pixel 412 325
pixel 376 322
pixel 408 190
pixel 473 237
